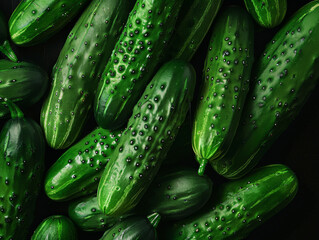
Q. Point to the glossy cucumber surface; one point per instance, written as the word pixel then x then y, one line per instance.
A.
pixel 225 85
pixel 55 227
pixel 238 207
pixel 284 77
pixel 79 68
pixel 149 135
pixel 35 21
pixel 5 46
pixel 77 172
pixel 136 56
pixel 267 13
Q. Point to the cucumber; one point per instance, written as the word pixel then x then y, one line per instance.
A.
pixel 77 172
pixel 284 77
pixel 267 13
pixel 78 69
pixel 55 227
pixel 193 23
pixel 149 134
pixel 134 59
pixel 240 206
pixel 225 85
pixel 35 21
pixel 22 149
pixel 5 46
pixel 23 83
pixel 135 227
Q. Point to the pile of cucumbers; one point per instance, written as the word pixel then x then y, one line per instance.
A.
pixel 153 118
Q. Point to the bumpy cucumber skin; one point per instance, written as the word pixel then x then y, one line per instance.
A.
pixel 77 172
pixel 35 21
pixel 21 169
pixel 284 77
pixel 193 23
pixel 22 83
pixel 267 13
pixel 5 46
pixel 225 85
pixel 55 227
pixel 78 69
pixel 149 134
pixel 240 206
pixel 135 57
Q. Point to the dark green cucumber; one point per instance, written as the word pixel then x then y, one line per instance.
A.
pixel 135 57
pixel 22 83
pixel 133 228
pixel 240 206
pixel 35 21
pixel 5 46
pixel 55 227
pixel 225 85
pixel 77 172
pixel 194 21
pixel 21 169
pixel 149 134
pixel 78 69
pixel 267 13
pixel 283 79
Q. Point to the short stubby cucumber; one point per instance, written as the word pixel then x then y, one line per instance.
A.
pixel 238 207
pixel 135 227
pixel 22 83
pixel 284 77
pixel 193 23
pixel 134 59
pixel 22 149
pixel 5 46
pixel 225 85
pixel 77 172
pixel 149 134
pixel 35 21
pixel 56 227
pixel 79 68
pixel 267 13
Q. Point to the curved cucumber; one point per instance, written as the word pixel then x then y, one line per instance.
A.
pixel 149 134
pixel 56 227
pixel 240 206
pixel 5 46
pixel 78 69
pixel 267 13
pixel 194 21
pixel 225 85
pixel 284 77
pixel 135 57
pixel 21 168
pixel 34 21
pixel 77 172
pixel 22 83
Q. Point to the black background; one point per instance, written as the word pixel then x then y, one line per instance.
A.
pixel 298 147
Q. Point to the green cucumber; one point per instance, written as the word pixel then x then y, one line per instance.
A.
pixel 55 227
pixel 267 13
pixel 22 83
pixel 22 148
pixel 5 46
pixel 79 68
pixel 35 21
pixel 77 172
pixel 225 85
pixel 149 134
pixel 134 59
pixel 133 228
pixel 240 206
pixel 193 23
pixel 284 77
